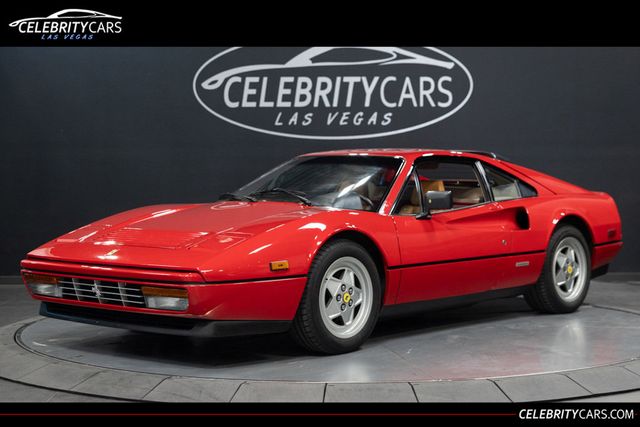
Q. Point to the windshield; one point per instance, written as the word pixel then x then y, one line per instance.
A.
pixel 347 182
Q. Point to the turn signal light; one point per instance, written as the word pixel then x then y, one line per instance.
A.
pixel 279 265
pixel 39 278
pixel 40 284
pixel 165 298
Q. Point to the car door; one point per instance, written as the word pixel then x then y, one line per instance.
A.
pixel 516 199
pixel 457 251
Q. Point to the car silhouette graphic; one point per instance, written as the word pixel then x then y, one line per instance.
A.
pixel 393 56
pixel 68 14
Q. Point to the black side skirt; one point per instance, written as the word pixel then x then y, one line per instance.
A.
pixel 444 303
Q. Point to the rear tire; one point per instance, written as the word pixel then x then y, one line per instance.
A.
pixel 564 282
pixel 340 305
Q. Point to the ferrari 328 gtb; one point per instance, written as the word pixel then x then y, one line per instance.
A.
pixel 324 244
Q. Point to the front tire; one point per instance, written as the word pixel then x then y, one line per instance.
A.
pixel 564 282
pixel 341 303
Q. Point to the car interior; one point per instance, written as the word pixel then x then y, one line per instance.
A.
pixel 458 178
pixel 503 187
pixel 369 190
pixel 349 183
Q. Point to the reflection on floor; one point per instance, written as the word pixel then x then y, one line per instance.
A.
pixel 490 339
pixel 496 338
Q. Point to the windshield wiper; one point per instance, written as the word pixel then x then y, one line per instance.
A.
pixel 297 194
pixel 234 196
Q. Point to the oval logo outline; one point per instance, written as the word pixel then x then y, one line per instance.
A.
pixel 335 137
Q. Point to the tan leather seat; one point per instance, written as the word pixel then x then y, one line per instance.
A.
pixel 505 192
pixel 468 197
pixel 436 185
pixel 413 208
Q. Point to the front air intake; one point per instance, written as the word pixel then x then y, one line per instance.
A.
pixel 102 292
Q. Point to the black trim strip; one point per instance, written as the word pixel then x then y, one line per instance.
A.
pixel 450 261
pixel 484 182
pixel 415 307
pixel 607 243
pixel 392 211
pixel 160 323
pixel 395 178
pixel 262 279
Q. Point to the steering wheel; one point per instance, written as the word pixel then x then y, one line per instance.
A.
pixel 366 200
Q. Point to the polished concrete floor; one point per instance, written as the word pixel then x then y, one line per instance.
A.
pixel 490 339
pixel 497 338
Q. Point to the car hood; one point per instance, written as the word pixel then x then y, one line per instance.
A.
pixel 172 236
pixel 187 226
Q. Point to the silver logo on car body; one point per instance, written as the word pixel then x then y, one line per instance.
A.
pixel 96 290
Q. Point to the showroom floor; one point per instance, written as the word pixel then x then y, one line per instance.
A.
pixel 501 340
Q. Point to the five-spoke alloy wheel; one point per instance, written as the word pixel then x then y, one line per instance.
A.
pixel 564 282
pixel 345 297
pixel 569 260
pixel 340 305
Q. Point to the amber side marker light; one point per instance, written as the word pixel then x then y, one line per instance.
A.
pixel 165 298
pixel 279 265
pixel 41 284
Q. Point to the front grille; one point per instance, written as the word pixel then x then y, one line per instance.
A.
pixel 101 291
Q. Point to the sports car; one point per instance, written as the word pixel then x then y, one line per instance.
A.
pixel 323 245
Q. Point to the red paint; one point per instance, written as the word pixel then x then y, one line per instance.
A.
pixel 96 270
pixel 604 254
pixel 460 234
pixel 220 252
pixel 264 300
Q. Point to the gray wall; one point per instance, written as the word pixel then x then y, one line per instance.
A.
pixel 87 132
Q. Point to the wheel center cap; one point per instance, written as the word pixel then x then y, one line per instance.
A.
pixel 346 297
pixel 570 269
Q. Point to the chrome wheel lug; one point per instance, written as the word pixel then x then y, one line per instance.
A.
pixel 350 303
pixel 351 291
pixel 343 288
pixel 343 307
pixel 338 297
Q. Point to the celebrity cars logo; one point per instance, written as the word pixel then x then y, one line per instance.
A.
pixel 333 93
pixel 70 24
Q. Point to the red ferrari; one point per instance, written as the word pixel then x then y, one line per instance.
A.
pixel 324 244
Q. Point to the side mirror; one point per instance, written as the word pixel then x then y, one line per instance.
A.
pixel 435 200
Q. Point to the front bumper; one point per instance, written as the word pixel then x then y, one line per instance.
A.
pixel 270 299
pixel 170 325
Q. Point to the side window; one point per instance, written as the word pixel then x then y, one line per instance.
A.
pixel 449 175
pixel 436 174
pixel 506 187
pixel 409 201
pixel 526 190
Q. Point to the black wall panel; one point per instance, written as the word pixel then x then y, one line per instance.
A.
pixel 87 132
